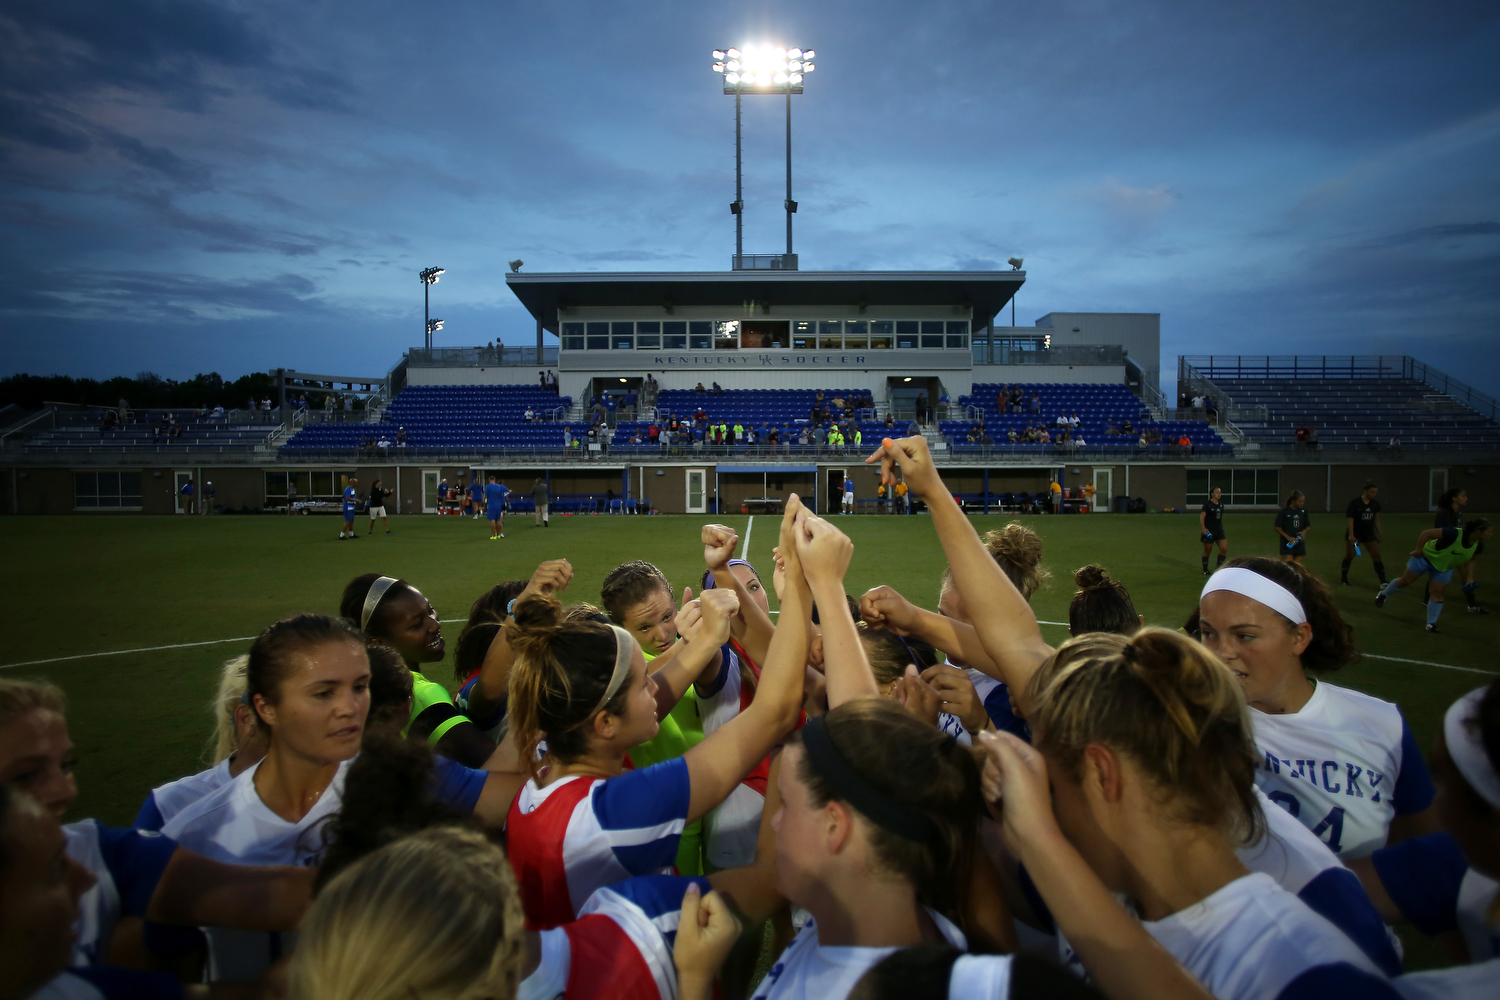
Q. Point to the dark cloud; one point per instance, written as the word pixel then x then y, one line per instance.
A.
pixel 1429 234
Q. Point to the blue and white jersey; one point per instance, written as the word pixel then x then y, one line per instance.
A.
pixel 350 499
pixel 1304 866
pixel 166 801
pixel 1463 982
pixel 1431 883
pixel 1253 940
pixel 103 982
pixel 457 785
pixel 809 971
pixel 1344 766
pixel 996 698
pixel 493 725
pixel 233 825
pixel 127 865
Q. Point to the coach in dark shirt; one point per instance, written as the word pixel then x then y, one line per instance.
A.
pixel 1292 525
pixel 1362 532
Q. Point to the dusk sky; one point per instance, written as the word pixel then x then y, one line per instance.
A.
pixel 196 185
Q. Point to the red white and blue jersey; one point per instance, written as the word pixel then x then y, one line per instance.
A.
pixel 126 865
pixel 581 834
pixel 619 947
pixel 1431 883
pixel 168 800
pixel 1304 866
pixel 1344 766
pixel 103 982
pixel 809 971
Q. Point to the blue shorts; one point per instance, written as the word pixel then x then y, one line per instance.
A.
pixel 1420 565
pixel 348 513
pixel 494 513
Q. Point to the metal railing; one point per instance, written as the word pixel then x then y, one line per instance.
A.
pixel 1193 382
pixel 480 357
pixel 1111 354
pixel 763 262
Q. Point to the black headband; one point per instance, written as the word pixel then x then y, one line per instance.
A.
pixel 849 785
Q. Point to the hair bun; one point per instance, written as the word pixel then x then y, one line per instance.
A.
pixel 1092 577
pixel 533 623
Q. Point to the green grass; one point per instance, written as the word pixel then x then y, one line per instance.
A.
pixel 87 585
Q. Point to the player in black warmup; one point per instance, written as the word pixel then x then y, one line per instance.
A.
pixel 1211 524
pixel 1292 525
pixel 1362 532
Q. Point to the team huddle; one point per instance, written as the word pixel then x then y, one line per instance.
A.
pixel 658 797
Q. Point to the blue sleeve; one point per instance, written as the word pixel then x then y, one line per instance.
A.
pixel 1034 900
pixel 128 984
pixel 150 817
pixel 643 813
pixel 1339 979
pixel 1422 876
pixel 1414 791
pixel 728 661
pixel 495 717
pixel 455 784
pixel 136 860
pixel 1337 895
pixel 997 707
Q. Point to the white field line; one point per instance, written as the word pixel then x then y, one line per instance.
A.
pixel 449 621
pixel 745 546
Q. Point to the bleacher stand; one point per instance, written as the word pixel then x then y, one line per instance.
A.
pixel 1097 407
pixel 151 431
pixel 788 411
pixel 449 418
pixel 1347 412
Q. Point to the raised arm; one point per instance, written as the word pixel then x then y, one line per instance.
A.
pixel 883 607
pixel 752 627
pixel 1124 961
pixel 1005 623
pixel 494 674
pixel 723 759
pixel 823 553
pixel 697 658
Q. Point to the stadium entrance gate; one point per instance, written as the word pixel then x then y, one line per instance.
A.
pixel 1104 489
pixel 182 477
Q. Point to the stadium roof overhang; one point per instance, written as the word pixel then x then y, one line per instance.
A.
pixel 985 292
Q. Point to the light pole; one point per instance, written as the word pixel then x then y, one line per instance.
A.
pixel 761 69
pixel 429 277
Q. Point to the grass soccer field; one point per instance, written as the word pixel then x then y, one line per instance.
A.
pixel 89 586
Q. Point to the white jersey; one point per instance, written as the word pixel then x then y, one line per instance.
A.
pixel 809 971
pixel 732 827
pixel 166 801
pixel 1253 940
pixel 233 825
pixel 1344 766
pixel 1464 982
pixel 99 908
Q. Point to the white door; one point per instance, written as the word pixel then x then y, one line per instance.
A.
pixel 696 488
pixel 179 478
pixel 429 491
pixel 1437 485
pixel 1104 491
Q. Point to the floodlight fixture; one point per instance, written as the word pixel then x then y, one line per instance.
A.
pixel 1015 262
pixel 761 69
pixel 515 265
pixel 434 325
pixel 429 277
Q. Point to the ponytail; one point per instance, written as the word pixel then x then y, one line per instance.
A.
pixel 562 670
pixel 1101 604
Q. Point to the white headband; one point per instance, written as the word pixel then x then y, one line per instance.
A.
pixel 1251 584
pixel 1467 751
pixel 372 599
pixel 624 650
pixel 979 977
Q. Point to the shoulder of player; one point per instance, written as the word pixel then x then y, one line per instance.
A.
pixel 213 809
pixel 1374 716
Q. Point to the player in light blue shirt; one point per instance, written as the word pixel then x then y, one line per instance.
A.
pixel 351 498
pixel 494 499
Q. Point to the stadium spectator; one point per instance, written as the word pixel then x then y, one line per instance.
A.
pixel 921 407
pixel 530 414
pixel 542 378
pixel 1043 436
pixel 717 388
pixel 401 437
pixel 1185 443
pixel 209 494
pixel 1010 435
pixel 1015 399
pixel 1036 403
pixel 1144 441
pixel 1110 430
pixel 699 388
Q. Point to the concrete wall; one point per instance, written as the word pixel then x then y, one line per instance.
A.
pixel 1138 333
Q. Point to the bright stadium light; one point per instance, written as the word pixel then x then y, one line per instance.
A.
pixel 1015 262
pixel 429 277
pixel 761 69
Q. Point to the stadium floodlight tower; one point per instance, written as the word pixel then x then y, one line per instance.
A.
pixel 429 277
pixel 762 69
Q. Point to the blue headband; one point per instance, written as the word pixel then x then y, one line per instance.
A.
pixel 708 575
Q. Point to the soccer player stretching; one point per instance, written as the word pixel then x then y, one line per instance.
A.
pixel 1292 525
pixel 1438 553
pixel 494 498
pixel 1211 524
pixel 1362 528
pixel 351 498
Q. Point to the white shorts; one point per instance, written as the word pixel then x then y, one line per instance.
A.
pixel 848 498
pixel 377 512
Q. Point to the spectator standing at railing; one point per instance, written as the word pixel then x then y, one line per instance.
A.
pixel 542 378
pixel 921 407
pixel 1036 403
